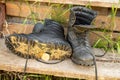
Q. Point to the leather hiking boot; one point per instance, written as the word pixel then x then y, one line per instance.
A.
pixel 46 42
pixel 79 24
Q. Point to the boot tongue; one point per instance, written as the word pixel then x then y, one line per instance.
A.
pixel 54 27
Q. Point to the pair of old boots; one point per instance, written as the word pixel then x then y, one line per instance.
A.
pixel 47 41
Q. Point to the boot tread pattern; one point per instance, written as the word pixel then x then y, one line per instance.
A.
pixel 38 50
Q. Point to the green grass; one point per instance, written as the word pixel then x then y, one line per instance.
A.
pixel 59 13
pixel 114 43
pixel 5 75
pixel 107 41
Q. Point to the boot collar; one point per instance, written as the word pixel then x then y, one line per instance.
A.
pixel 73 17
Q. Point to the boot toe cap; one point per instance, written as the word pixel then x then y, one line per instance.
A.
pixel 83 58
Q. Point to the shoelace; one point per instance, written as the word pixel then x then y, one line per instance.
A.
pixel 96 72
pixel 107 45
pixel 94 59
pixel 85 41
pixel 25 67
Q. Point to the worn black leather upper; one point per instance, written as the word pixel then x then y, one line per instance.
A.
pixel 47 38
pixel 51 32
pixel 79 22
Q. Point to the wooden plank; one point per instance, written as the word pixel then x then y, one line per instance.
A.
pixel 11 62
pixel 2 1
pixel 23 10
pixel 17 9
pixel 93 38
pixel 101 11
pixel 98 3
pixel 27 28
pixel 2 16
pixel 105 22
pixel 17 28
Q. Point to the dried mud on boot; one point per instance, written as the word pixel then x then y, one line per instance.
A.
pixel 38 50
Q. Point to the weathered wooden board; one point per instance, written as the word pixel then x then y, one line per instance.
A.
pixel 27 28
pixel 20 9
pixel 2 15
pixel 100 3
pixel 97 35
pixel 17 28
pixel 105 22
pixel 2 1
pixel 23 10
pixel 11 62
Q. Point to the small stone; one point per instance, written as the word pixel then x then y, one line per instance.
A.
pixel 45 57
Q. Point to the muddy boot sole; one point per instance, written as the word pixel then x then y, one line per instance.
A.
pixel 37 50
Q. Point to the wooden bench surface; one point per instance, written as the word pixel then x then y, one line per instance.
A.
pixel 11 62
pixel 98 3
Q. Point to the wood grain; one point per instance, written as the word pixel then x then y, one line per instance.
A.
pixel 17 28
pixel 101 21
pixel 98 3
pixel 27 28
pixel 2 1
pixel 11 62
pixel 23 10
